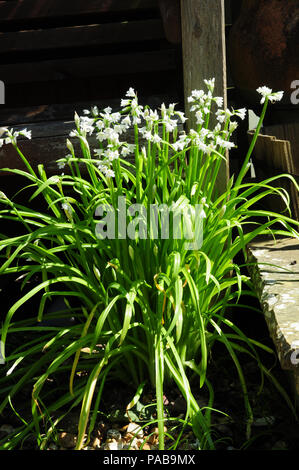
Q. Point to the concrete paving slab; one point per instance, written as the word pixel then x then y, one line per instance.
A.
pixel 276 279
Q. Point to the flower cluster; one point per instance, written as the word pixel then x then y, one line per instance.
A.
pixel 162 127
pixel 11 135
pixel 155 126
pixel 108 127
pixel 268 94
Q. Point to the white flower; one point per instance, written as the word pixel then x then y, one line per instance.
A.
pixel 131 92
pixel 210 84
pixel 95 110
pixel 125 103
pixel 170 124
pixel 205 133
pixel 55 179
pixel 119 128
pixel 202 146
pixel 74 133
pixel 136 120
pixel 86 111
pixel 99 152
pixel 241 113
pixel 61 165
pixel 134 104
pixel 181 116
pixel 126 121
pixel 180 144
pixel 101 136
pixel 218 100
pixel 156 139
pixel 277 96
pixel 26 133
pixel 146 133
pixel 233 126
pixel 76 119
pixel 108 110
pixel 223 114
pixel 115 117
pixel 217 128
pixel 136 111
pixel 101 167
pixel 163 110
pixel 11 136
pixel 100 124
pixel 264 91
pixel 125 151
pixel 199 117
pixel 104 168
pixel 151 116
pixel 197 94
pixel 224 143
pixel 108 134
pixel 267 93
pixel 112 154
pixel 109 173
pixel 86 125
pixel 9 140
pixel 67 209
pixel 171 107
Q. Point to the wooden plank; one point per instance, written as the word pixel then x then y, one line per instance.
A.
pixel 49 144
pixel 18 10
pixel 86 67
pixel 272 152
pixel 81 36
pixel 289 132
pixel 46 113
pixel 204 56
pixel 45 150
pixel 274 156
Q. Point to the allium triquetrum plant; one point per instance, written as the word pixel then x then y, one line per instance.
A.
pixel 149 308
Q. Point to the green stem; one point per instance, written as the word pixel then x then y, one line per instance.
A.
pixel 25 161
pixel 159 389
pixel 138 166
pixel 245 167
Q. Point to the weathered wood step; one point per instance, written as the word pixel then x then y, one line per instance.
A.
pixel 80 36
pixel 86 67
pixel 19 10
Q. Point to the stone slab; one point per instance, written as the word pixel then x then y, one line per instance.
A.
pixel 275 275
